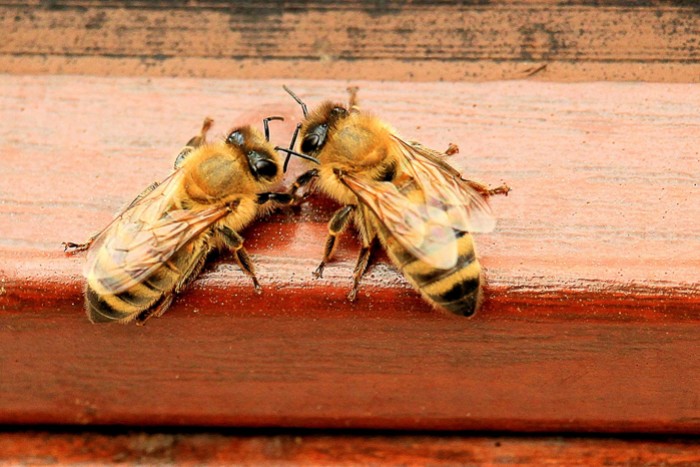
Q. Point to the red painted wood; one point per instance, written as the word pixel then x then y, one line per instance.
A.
pixel 591 313
pixel 337 449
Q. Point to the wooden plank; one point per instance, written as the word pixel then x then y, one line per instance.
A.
pixel 590 320
pixel 580 40
pixel 309 448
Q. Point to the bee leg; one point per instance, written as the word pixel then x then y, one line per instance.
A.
pixel 164 303
pixel 235 243
pixel 194 269
pixel 452 149
pixel 303 180
pixel 141 195
pixel 336 225
pixel 352 99
pixel 500 190
pixel 76 247
pixel 279 199
pixel 360 269
pixel 194 142
pixel 72 248
pixel 485 191
pixel 156 310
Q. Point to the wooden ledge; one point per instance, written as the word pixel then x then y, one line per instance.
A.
pixel 592 307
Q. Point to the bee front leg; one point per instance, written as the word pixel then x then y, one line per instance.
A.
pixel 336 226
pixel 303 180
pixel 235 243
pixel 277 199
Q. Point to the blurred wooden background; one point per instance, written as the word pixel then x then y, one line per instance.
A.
pixel 588 109
pixel 576 40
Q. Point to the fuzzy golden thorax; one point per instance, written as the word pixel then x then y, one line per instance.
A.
pixel 347 142
pixel 244 163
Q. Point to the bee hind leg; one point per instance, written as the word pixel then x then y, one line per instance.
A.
pixel 452 149
pixel 352 98
pixel 193 270
pixel 72 248
pixel 234 242
pixel 485 191
pixel 336 226
pixel 156 310
pixel 360 269
pixel 194 142
pixel 162 305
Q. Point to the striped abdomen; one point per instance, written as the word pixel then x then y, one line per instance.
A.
pixel 457 289
pixel 152 295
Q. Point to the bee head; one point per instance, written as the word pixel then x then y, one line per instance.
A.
pixel 262 165
pixel 259 154
pixel 316 127
pixel 314 130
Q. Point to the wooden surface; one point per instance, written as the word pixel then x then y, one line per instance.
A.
pixel 591 314
pixel 360 39
pixel 309 448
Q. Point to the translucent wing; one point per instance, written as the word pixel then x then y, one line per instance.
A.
pixel 144 236
pixel 445 190
pixel 421 229
pixel 426 222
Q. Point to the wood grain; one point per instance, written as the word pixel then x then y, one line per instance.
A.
pixel 592 308
pixel 311 448
pixel 418 41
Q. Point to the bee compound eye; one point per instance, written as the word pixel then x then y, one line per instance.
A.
pixel 310 143
pixel 265 168
pixel 236 138
pixel 314 139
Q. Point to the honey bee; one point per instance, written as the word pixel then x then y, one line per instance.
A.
pixel 403 194
pixel 160 242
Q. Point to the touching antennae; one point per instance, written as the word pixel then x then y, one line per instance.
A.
pixel 298 154
pixel 267 127
pixel 299 101
pixel 291 146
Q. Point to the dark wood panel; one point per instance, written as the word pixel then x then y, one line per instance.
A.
pixel 421 40
pixel 309 448
pixel 590 320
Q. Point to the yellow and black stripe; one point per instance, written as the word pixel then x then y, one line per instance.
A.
pixel 140 299
pixel 129 304
pixel 457 289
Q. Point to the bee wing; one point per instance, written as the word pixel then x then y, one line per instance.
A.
pixel 422 230
pixel 445 190
pixel 145 236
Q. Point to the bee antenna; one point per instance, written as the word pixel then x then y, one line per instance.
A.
pixel 267 127
pixel 291 146
pixel 299 101
pixel 298 154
